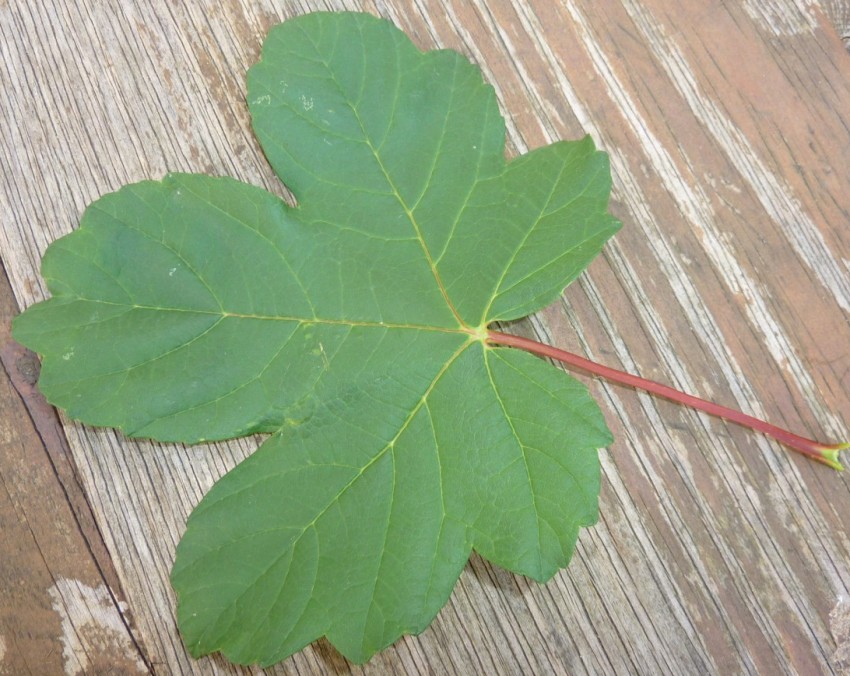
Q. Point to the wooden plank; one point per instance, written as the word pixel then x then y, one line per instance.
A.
pixel 729 132
pixel 61 603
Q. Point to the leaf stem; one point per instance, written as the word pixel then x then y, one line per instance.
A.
pixel 826 454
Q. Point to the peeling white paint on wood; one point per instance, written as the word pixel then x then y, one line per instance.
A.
pixel 91 626
pixel 782 18
pixel 775 195
pixel 839 626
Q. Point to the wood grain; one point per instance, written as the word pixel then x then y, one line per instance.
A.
pixel 728 125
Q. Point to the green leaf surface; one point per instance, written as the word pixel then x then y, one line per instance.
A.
pixel 353 328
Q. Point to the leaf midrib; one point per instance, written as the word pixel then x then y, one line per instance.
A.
pixel 282 318
pixel 397 194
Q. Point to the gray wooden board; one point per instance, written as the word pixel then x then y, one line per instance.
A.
pixel 728 124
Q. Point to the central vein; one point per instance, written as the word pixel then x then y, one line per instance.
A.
pixel 412 218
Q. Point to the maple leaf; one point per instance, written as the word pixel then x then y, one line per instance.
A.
pixel 352 327
pixel 355 329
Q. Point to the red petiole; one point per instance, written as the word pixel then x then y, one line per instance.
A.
pixel 827 454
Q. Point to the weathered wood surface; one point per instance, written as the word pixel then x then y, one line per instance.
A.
pixel 729 129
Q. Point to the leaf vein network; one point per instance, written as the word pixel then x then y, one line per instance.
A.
pixel 332 501
pixel 407 210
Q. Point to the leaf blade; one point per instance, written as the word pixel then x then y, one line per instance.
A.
pixel 408 565
pixel 352 327
pixel 183 344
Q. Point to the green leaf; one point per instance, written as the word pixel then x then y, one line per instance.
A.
pixel 352 327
